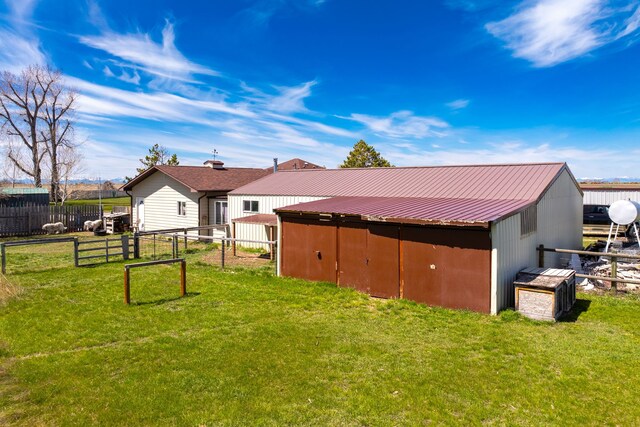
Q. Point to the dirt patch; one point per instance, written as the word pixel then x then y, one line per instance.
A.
pixel 241 259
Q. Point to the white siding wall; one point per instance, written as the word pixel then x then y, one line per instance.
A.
pixel 559 226
pixel 161 195
pixel 512 253
pixel 608 197
pixel 266 205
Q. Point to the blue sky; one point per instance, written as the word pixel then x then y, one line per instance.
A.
pixel 427 83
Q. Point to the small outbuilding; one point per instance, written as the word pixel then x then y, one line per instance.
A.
pixel 24 197
pixel 451 236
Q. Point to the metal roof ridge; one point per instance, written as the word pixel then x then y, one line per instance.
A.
pixel 477 165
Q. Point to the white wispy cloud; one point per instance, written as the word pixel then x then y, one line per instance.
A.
pixel 549 32
pixel 19 47
pixel 458 104
pixel 18 51
pixel 291 99
pixel 161 59
pixel 402 124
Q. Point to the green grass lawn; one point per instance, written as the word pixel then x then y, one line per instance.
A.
pixel 107 204
pixel 247 348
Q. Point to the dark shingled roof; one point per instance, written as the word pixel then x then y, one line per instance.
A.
pixel 297 164
pixel 203 178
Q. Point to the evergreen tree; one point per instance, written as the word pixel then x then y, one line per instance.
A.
pixel 158 155
pixel 364 155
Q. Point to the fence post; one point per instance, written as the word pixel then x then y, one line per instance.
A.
pixel 3 254
pixel 125 246
pixel 136 245
pixel 183 278
pixel 175 246
pixel 234 236
pixel 185 238
pixel 271 245
pixel 76 245
pixel 222 257
pixel 541 256
pixel 127 281
pixel 106 249
pixel 614 273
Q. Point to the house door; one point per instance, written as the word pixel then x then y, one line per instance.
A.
pixel 140 213
pixel 218 212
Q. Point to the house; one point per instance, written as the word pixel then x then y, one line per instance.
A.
pixel 165 197
pixel 452 236
pixel 297 164
pixel 607 193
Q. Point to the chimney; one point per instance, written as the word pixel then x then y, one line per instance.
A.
pixel 214 164
pixel 275 164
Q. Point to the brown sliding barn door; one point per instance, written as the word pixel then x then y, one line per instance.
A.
pixel 447 267
pixel 368 258
pixel 352 252
pixel 309 249
pixel 384 267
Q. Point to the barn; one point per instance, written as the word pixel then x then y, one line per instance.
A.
pixel 451 236
pixel 607 193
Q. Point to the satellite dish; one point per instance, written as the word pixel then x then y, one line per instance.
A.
pixel 624 212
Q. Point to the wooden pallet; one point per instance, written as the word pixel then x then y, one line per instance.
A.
pixel 601 230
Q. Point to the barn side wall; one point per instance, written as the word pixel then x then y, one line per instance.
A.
pixel 559 225
pixel 607 197
pixel 161 195
pixel 266 205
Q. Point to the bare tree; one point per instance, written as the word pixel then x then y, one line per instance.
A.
pixel 21 101
pixel 57 113
pixel 37 111
pixel 69 165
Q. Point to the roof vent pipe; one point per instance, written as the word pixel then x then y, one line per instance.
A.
pixel 275 164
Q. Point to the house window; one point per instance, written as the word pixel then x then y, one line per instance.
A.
pixel 182 208
pixel 528 221
pixel 220 214
pixel 250 206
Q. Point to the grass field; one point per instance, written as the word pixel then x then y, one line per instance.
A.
pixel 247 348
pixel 107 204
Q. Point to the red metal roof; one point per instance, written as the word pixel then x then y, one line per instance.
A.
pixel 203 178
pixel 491 182
pixel 441 211
pixel 262 219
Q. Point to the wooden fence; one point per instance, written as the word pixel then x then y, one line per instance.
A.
pixel 28 220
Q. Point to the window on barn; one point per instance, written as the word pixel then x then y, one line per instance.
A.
pixel 182 208
pixel 528 221
pixel 250 206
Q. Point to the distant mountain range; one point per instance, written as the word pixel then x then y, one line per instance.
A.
pixel 96 181
pixel 609 180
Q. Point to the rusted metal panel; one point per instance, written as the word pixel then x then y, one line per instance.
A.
pixel 309 249
pixel 383 260
pixel 352 256
pixel 447 267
